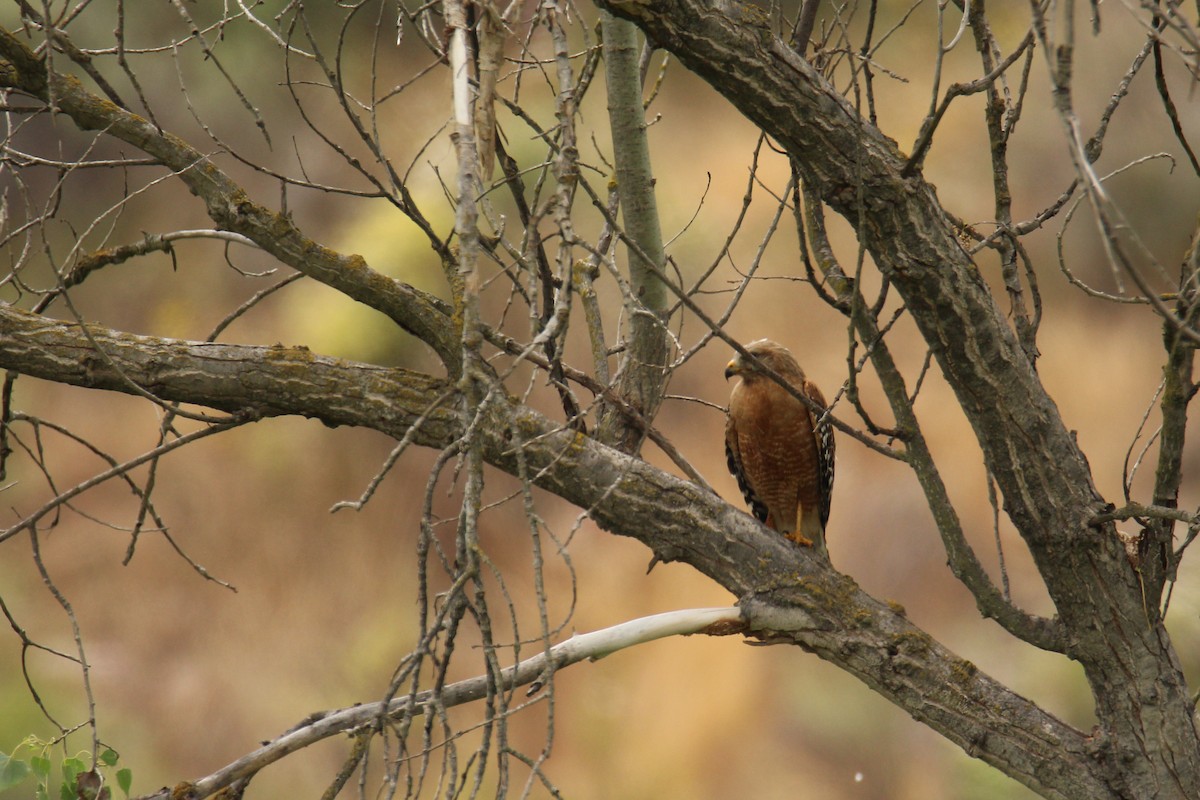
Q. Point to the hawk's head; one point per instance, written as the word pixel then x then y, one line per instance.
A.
pixel 772 355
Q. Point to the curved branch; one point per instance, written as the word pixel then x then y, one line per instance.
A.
pixel 1142 697
pixel 1179 388
pixel 1047 634
pixel 911 239
pixel 29 523
pixel 534 670
pixel 230 207
pixel 788 594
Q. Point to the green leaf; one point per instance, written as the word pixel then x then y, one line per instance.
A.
pixel 71 767
pixel 12 771
pixel 125 779
pixel 109 757
pixel 41 767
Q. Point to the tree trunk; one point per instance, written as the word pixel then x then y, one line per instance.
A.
pixel 788 595
pixel 1147 739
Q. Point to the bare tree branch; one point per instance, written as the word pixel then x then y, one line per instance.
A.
pixel 1044 477
pixel 231 208
pixel 535 670
pixel 790 594
pixel 643 372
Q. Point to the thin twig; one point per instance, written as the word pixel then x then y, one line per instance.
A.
pixel 533 670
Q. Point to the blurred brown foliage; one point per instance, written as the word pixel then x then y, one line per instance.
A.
pixel 188 675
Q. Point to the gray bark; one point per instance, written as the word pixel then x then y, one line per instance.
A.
pixel 1147 740
pixel 1146 744
pixel 643 376
pixel 788 595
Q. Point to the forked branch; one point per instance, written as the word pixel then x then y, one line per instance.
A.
pixel 789 594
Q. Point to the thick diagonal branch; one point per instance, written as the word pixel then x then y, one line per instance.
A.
pixel 230 207
pixel 857 171
pixel 1044 633
pixel 788 594
pixel 1142 698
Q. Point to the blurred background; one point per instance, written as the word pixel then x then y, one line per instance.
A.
pixel 188 675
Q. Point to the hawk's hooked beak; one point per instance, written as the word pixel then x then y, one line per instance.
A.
pixel 734 367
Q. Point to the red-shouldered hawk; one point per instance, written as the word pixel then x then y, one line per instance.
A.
pixel 781 455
